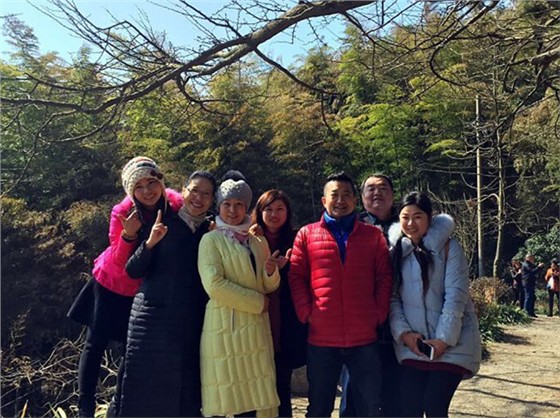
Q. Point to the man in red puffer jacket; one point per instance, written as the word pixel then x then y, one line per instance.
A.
pixel 340 278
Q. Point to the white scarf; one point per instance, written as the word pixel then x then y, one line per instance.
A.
pixel 193 222
pixel 231 230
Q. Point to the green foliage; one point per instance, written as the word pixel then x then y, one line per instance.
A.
pixel 447 147
pixel 387 135
pixel 511 314
pixel 44 258
pixel 544 246
pixel 22 38
pixel 356 79
pixel 489 323
pixel 317 68
pixel 302 148
pixel 534 138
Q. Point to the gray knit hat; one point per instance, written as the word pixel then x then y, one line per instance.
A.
pixel 231 189
pixel 137 169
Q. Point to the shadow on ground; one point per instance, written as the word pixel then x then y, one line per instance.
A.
pixel 513 339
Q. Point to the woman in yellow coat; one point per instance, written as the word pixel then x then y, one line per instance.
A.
pixel 237 271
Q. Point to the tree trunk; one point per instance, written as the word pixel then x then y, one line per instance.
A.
pixel 501 215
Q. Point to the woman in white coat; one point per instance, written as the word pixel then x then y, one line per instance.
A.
pixel 237 271
pixel 432 316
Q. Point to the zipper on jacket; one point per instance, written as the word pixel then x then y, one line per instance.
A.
pixel 232 319
pixel 427 337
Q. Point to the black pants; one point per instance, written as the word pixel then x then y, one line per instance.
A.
pixel 551 294
pixel 283 384
pixel 88 374
pixel 324 365
pixel 390 398
pixel 428 392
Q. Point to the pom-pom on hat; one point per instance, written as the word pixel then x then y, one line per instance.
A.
pixel 137 169
pixel 232 189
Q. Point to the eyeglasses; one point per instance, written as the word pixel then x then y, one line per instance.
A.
pixel 200 193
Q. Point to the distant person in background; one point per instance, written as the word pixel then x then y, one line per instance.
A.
pixel 378 199
pixel 552 278
pixel 162 360
pixel 431 304
pixel 529 273
pixel 104 303
pixel 273 215
pixel 237 271
pixel 516 283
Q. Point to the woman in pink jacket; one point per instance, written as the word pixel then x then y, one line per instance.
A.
pixel 104 303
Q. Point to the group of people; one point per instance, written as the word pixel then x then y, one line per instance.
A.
pixel 523 280
pixel 216 311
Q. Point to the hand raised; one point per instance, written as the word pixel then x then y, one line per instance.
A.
pixel 256 230
pixel 159 230
pixel 131 224
pixel 284 259
pixel 271 263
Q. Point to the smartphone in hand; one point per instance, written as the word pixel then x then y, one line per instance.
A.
pixel 426 349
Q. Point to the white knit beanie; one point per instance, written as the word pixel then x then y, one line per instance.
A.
pixel 137 169
pixel 231 189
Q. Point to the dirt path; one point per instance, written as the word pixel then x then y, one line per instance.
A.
pixel 521 378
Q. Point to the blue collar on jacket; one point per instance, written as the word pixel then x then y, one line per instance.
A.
pixel 341 229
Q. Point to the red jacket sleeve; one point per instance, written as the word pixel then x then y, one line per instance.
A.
pixel 299 276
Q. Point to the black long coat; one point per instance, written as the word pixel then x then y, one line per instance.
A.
pixel 293 334
pixel 162 360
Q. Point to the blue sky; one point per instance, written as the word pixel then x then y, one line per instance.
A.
pixel 53 37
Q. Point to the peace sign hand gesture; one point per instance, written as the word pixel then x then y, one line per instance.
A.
pixel 131 224
pixel 276 260
pixel 157 233
pixel 284 259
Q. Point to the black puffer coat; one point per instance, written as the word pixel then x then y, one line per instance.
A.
pixel 162 360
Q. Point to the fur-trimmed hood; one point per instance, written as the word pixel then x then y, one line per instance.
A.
pixel 439 232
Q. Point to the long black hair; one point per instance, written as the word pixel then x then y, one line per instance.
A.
pixel 421 253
